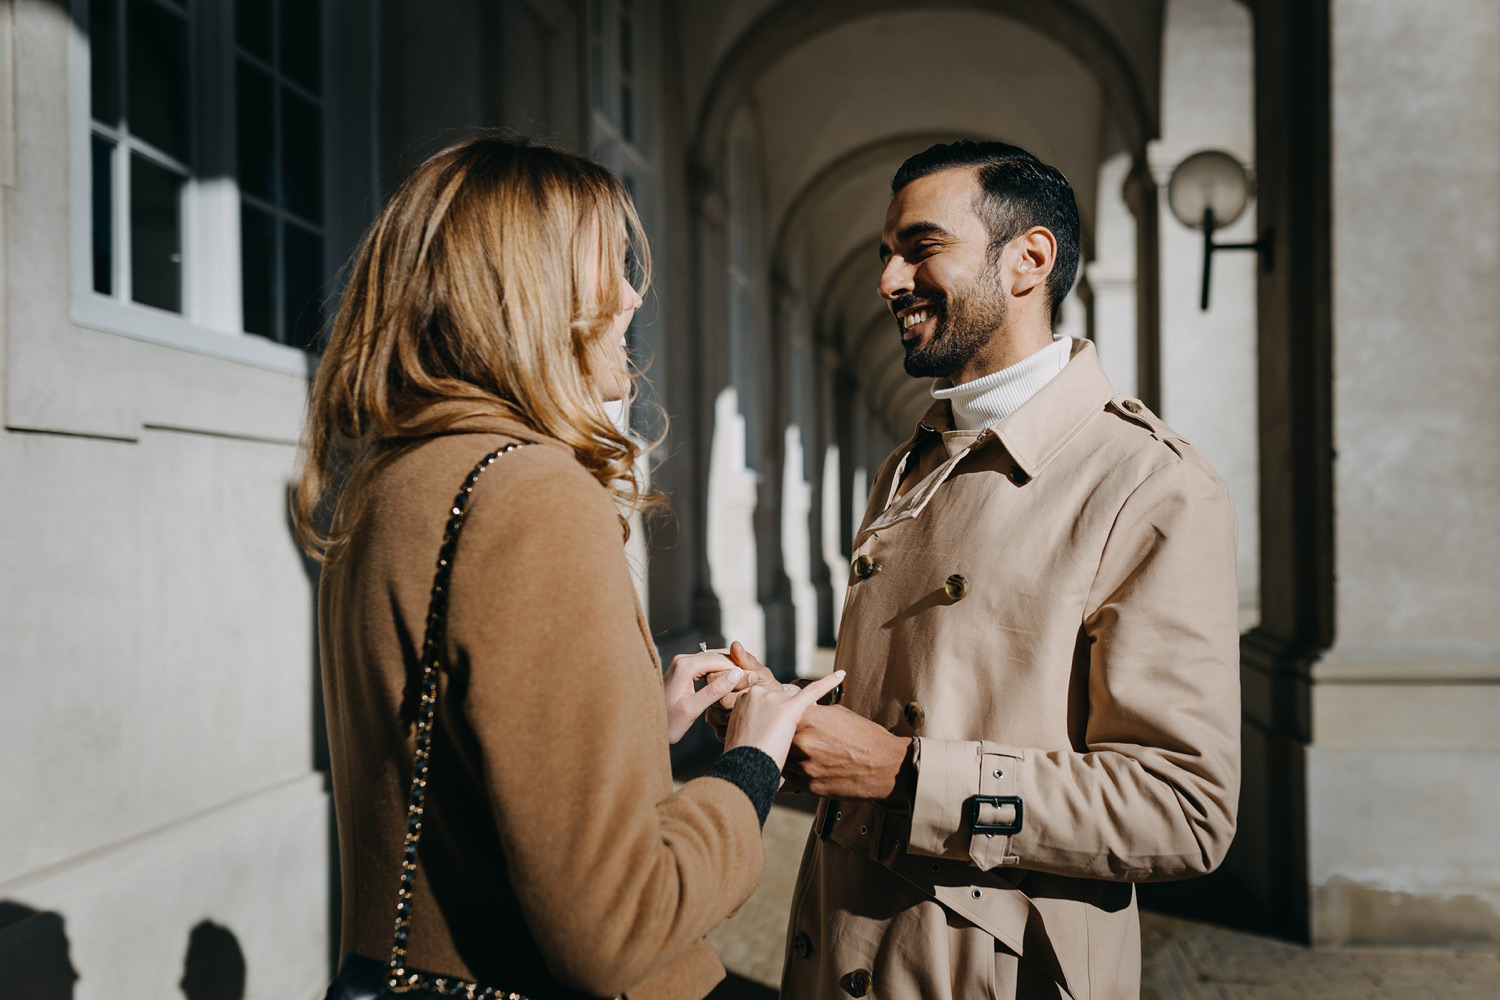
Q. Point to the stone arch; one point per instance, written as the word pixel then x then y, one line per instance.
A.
pixel 794 22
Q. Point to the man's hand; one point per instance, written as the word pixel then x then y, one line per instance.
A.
pixel 839 754
pixel 755 672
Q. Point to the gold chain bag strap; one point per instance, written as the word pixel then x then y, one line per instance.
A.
pixel 401 979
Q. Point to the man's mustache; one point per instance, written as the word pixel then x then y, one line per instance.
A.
pixel 936 300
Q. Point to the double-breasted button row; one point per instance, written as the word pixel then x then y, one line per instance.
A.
pixel 956 587
pixel 858 983
pixel 915 715
pixel 801 945
pixel 865 567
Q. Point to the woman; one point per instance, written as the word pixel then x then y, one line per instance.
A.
pixel 487 307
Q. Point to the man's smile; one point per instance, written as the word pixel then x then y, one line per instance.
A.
pixel 916 321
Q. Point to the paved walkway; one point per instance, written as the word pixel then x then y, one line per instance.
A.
pixel 1183 960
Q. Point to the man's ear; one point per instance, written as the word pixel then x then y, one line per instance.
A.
pixel 1033 255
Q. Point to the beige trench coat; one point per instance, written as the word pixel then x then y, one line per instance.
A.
pixel 1049 608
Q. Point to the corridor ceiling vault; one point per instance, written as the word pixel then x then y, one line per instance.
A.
pixel 838 93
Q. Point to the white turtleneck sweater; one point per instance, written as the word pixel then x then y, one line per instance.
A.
pixel 986 401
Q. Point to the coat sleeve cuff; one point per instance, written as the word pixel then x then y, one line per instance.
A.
pixel 949 774
pixel 754 772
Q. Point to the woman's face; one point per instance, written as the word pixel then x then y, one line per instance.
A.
pixel 610 361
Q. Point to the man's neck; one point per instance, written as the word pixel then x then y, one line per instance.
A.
pixel 1006 347
pixel 984 402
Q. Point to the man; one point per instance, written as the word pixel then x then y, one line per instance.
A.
pixel 1042 701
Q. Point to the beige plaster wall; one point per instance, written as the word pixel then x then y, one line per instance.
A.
pixel 1406 707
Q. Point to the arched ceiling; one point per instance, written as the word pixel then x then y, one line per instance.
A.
pixel 841 91
pixel 988 76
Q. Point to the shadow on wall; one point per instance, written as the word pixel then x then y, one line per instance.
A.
pixel 36 964
pixel 214 968
pixel 34 955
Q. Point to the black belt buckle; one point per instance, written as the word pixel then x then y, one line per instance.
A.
pixel 830 815
pixel 975 801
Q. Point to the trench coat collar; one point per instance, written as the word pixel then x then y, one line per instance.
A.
pixel 1045 423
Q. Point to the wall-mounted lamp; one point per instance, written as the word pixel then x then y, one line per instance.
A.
pixel 1209 191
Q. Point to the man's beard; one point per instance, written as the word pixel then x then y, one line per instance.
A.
pixel 964 325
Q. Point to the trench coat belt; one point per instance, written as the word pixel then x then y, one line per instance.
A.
pixel 882 835
pixel 865 828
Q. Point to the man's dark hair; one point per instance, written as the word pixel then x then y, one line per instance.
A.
pixel 1020 191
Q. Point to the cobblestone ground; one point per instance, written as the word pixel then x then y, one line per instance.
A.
pixel 1183 960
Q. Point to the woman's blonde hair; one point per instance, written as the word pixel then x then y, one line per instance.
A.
pixel 474 289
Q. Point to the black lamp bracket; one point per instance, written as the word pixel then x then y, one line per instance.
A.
pixel 1261 246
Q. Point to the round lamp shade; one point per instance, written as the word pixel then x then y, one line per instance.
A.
pixel 1210 180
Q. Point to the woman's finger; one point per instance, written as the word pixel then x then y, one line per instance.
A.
pixel 817 689
pixel 699 701
pixel 698 664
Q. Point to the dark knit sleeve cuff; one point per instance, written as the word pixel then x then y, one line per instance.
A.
pixel 756 774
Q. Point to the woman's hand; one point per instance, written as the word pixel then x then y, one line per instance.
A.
pixel 717 715
pixel 685 704
pixel 765 716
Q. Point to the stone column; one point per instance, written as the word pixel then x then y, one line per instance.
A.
pixel 708 370
pixel 1404 761
pixel 1268 863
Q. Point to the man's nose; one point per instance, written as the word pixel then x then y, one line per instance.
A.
pixel 895 279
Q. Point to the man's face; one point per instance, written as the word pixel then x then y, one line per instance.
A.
pixel 938 278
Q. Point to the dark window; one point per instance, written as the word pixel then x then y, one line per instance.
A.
pixel 140 147
pixel 279 105
pixel 101 152
pixel 155 234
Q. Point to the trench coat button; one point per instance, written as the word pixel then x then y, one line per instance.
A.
pixel 1131 405
pixel 914 714
pixel 801 945
pixel 1018 475
pixel 864 567
pixel 858 983
pixel 956 587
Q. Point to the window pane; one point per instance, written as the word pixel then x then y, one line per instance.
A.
pixel 155 235
pixel 301 42
pixel 156 77
pixel 304 284
pixel 104 84
pixel 256 130
pixel 258 270
pixel 301 156
pixel 627 112
pixel 102 183
pixel 252 27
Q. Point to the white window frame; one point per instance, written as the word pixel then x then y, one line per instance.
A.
pixel 212 319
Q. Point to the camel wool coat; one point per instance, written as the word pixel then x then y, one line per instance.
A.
pixel 556 860
pixel 1049 609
